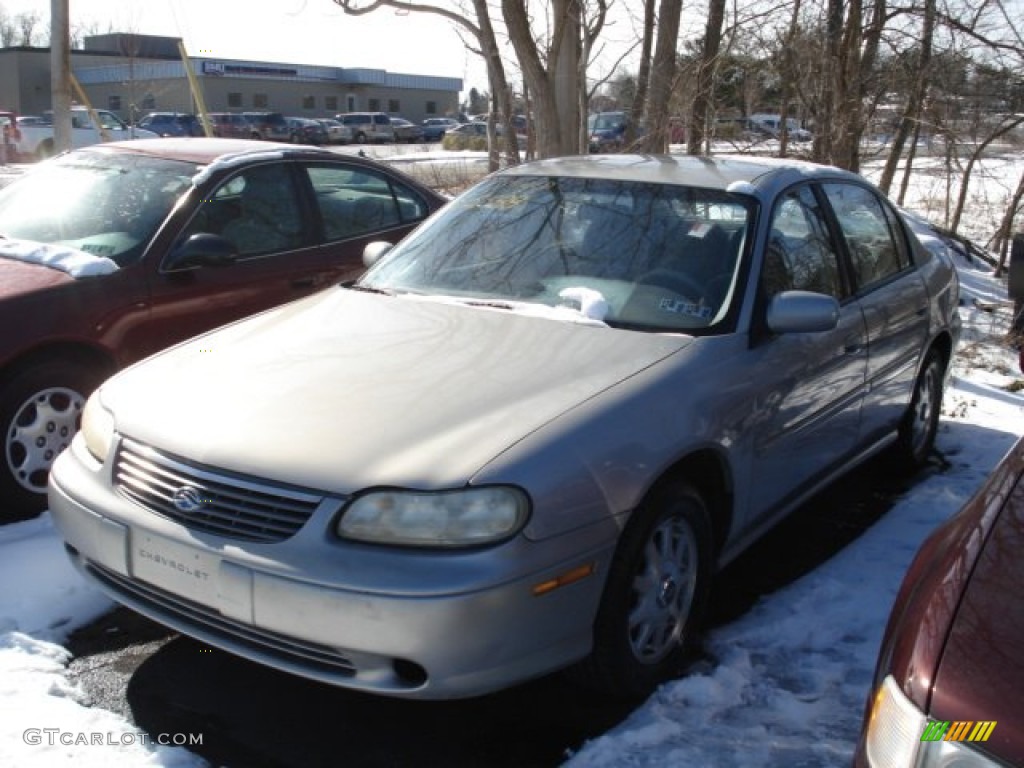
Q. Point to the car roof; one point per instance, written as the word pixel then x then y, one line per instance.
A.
pixel 719 172
pixel 200 150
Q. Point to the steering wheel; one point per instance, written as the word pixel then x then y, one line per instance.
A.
pixel 678 282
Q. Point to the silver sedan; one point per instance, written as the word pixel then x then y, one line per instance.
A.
pixel 528 437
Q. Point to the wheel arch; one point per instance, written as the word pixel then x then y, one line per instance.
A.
pixel 708 471
pixel 83 354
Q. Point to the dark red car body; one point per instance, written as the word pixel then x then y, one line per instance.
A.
pixel 91 326
pixel 955 636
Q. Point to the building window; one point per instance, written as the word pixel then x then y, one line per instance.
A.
pixel 309 102
pixel 235 100
pixel 373 105
pixel 260 100
pixel 114 103
pixel 331 103
pixel 148 102
pixel 431 107
pixel 350 100
pixel 394 106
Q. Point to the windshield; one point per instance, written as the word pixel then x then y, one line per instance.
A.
pixel 99 202
pixel 651 256
pixel 607 122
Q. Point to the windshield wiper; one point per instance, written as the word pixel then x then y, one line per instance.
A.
pixel 371 289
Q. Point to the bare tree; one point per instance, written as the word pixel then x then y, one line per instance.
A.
pixel 8 30
pixel 484 43
pixel 27 23
pixel 705 77
pixel 553 75
pixel 636 108
pixel 663 74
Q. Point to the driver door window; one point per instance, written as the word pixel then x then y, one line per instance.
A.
pixel 801 255
pixel 257 210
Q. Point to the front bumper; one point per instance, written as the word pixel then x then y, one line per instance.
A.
pixel 396 622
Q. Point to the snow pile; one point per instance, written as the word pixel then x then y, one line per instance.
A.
pixel 74 262
pixel 44 719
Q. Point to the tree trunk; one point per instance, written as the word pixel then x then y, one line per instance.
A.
pixel 915 103
pixel 636 109
pixel 705 77
pixel 662 77
pixel 554 87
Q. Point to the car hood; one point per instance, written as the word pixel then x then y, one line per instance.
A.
pixel 348 390
pixel 18 278
pixel 980 675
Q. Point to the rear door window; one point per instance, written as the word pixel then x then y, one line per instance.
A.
pixel 355 201
pixel 877 252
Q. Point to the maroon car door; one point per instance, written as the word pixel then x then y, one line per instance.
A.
pixel 260 211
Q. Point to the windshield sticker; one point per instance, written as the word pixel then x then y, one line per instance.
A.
pixel 699 229
pixel 683 307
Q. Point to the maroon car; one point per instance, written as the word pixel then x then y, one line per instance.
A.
pixel 112 252
pixel 949 686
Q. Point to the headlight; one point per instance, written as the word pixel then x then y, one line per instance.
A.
pixel 463 518
pixel 895 732
pixel 97 427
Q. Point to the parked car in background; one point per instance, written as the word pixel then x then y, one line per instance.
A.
pixel 406 131
pixel 172 124
pixel 303 130
pixel 230 125
pixel 9 135
pixel 87 128
pixel 472 128
pixel 949 684
pixel 336 132
pixel 528 436
pixel 119 250
pixel 471 136
pixel 771 125
pixel 269 126
pixel 434 127
pixel 368 126
pixel 607 131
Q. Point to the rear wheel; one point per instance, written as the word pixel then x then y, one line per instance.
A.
pixel 40 411
pixel 655 594
pixel 921 421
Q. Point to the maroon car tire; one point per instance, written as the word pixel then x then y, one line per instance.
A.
pixel 40 412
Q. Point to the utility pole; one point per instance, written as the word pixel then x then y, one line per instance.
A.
pixel 60 74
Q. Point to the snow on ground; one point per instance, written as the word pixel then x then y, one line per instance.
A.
pixel 789 679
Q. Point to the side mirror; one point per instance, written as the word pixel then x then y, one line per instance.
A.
pixel 802 312
pixel 373 252
pixel 202 250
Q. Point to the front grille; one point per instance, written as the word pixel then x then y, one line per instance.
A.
pixel 221 503
pixel 193 618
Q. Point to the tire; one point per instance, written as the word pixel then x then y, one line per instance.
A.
pixel 921 421
pixel 360 138
pixel 654 597
pixel 40 411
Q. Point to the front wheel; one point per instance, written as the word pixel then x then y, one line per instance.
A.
pixel 654 596
pixel 921 422
pixel 40 411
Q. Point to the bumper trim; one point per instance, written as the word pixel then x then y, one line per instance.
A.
pixel 191 615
